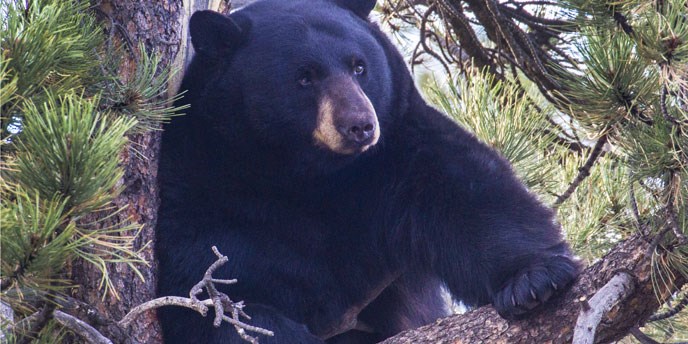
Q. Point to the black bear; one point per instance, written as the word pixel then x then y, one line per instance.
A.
pixel 344 202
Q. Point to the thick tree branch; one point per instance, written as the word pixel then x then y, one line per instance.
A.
pixel 554 323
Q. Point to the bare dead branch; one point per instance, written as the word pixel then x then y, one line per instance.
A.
pixel 199 306
pixel 218 300
pixel 424 35
pixel 600 304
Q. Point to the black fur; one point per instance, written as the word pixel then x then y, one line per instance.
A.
pixel 319 239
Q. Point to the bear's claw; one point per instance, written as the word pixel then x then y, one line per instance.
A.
pixel 534 286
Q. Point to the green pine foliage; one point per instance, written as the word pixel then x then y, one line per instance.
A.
pixel 64 121
pixel 632 88
pixel 144 97
pixel 629 89
pixel 67 149
pixel 500 115
pixel 50 47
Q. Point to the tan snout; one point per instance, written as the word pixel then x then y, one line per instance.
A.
pixel 347 123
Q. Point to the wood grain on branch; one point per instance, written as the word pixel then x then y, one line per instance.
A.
pixel 599 305
pixel 555 322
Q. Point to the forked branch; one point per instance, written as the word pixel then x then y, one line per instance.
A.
pixel 218 300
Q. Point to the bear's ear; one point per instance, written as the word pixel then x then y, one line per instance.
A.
pixel 361 8
pixel 214 34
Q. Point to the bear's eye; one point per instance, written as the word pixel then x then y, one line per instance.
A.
pixel 306 76
pixel 359 69
pixel 305 80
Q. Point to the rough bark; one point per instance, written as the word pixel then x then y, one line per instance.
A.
pixel 555 322
pixel 158 25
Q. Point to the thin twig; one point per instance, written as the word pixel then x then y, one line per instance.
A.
pixel 634 208
pixel 90 334
pixel 642 337
pixel 671 212
pixel 584 171
pixel 423 37
pixel 663 107
pixel 672 310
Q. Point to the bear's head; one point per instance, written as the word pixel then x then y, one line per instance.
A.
pixel 302 77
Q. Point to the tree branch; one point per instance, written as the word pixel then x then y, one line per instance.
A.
pixel 584 171
pixel 672 310
pixel 553 322
pixel 91 335
pixel 218 300
pixel 663 107
pixel 37 322
pixel 198 306
pixel 617 289
pixel 453 14
pixel 642 337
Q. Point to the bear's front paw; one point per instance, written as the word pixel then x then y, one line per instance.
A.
pixel 533 286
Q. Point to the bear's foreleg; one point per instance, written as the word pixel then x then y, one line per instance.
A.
pixel 460 211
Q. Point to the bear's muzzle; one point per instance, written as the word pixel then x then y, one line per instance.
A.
pixel 347 122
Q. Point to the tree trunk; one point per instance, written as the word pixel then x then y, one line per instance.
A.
pixel 158 24
pixel 556 322
pixel 162 26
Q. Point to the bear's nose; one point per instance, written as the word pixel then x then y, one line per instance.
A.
pixel 359 132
